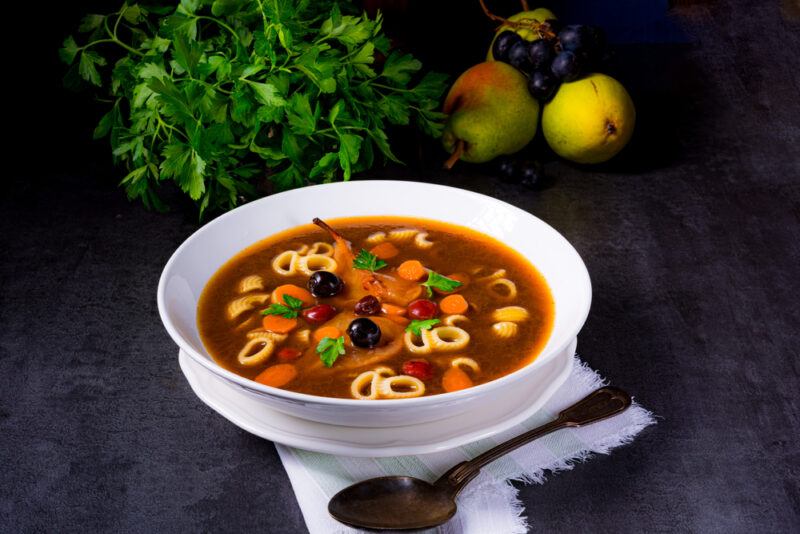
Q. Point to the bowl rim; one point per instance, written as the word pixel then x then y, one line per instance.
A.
pixel 307 398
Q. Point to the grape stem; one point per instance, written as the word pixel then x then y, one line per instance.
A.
pixel 542 28
pixel 455 156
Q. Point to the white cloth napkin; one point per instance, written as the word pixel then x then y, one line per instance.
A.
pixel 489 503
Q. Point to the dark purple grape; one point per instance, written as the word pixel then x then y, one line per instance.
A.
pixel 574 37
pixel 508 169
pixel 364 333
pixel 542 85
pixel 531 175
pixel 567 66
pixel 325 284
pixel 540 54
pixel 503 44
pixel 518 56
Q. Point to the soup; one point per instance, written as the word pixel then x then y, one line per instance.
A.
pixel 375 308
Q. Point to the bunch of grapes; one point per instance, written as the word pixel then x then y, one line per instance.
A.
pixel 560 55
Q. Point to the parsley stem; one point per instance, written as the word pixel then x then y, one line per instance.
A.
pixel 117 41
pixel 220 23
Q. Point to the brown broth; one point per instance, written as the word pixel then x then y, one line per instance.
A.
pixel 457 249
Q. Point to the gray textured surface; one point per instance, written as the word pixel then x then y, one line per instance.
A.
pixel 693 252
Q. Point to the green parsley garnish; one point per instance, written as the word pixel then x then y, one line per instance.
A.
pixel 442 283
pixel 368 262
pixel 416 327
pixel 290 310
pixel 214 95
pixel 329 349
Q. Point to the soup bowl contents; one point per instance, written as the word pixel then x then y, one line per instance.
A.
pixel 374 308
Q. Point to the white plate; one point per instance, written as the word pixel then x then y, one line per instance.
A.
pixel 491 418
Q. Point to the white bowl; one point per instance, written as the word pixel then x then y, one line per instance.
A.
pixel 205 251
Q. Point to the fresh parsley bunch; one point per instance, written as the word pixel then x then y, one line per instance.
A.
pixel 217 95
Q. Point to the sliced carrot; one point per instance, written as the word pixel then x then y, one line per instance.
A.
pixel 293 291
pixel 385 251
pixel 278 324
pixel 326 331
pixel 411 270
pixel 391 309
pixel 277 375
pixel 455 378
pixel 454 304
pixel 403 321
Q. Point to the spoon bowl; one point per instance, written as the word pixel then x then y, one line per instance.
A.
pixel 391 503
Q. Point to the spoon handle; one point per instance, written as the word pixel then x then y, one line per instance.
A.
pixel 598 405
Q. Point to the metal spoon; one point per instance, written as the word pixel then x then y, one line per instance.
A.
pixel 400 502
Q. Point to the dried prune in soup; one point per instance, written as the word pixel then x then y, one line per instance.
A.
pixel 368 305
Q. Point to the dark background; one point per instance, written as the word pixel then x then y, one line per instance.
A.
pixel 691 236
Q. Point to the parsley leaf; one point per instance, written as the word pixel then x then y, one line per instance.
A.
pixel 415 326
pixel 442 283
pixel 329 349
pixel 215 95
pixel 290 310
pixel 367 261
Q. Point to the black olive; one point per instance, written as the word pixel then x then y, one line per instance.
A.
pixel 364 333
pixel 324 284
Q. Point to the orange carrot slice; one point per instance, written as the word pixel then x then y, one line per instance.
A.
pixel 455 379
pixel 277 375
pixel 391 309
pixel 293 291
pixel 385 251
pixel 278 324
pixel 454 304
pixel 411 270
pixel 326 331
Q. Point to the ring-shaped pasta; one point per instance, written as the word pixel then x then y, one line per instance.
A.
pixel 463 361
pixel 302 249
pixel 499 273
pixel 376 238
pixel 244 304
pixel 251 283
pixel 452 320
pixel 421 241
pixel 285 263
pixel 439 339
pixel 411 345
pixel 269 339
pixel 373 378
pixel 402 235
pixel 514 314
pixel 320 247
pixel 312 263
pixel 505 329
pixel 416 388
pixel 510 292
pixel 448 338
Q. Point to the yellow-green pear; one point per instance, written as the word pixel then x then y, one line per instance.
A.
pixel 491 113
pixel 589 120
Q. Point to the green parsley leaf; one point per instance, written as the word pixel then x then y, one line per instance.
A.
pixel 290 310
pixel 442 283
pixel 214 96
pixel 368 262
pixel 416 327
pixel 329 349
